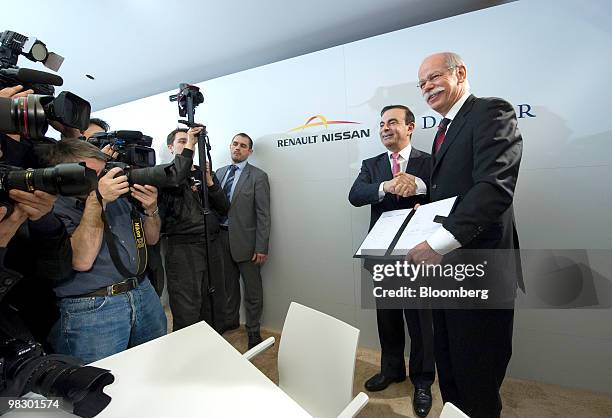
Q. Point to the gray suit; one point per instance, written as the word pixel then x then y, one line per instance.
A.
pixel 248 233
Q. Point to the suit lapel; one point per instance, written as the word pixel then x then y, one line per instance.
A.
pixel 453 131
pixel 384 167
pixel 221 174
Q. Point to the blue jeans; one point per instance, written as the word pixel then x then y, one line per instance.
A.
pixel 92 328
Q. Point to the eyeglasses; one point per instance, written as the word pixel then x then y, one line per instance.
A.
pixel 433 77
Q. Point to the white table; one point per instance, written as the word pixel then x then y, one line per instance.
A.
pixel 193 372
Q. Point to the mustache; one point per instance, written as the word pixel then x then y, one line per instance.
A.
pixel 430 93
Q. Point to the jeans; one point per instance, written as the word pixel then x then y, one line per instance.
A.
pixel 92 328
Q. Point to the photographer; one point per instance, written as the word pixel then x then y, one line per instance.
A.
pixel 183 220
pixel 102 312
pixel 40 252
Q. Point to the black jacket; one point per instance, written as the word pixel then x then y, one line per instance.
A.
pixel 378 169
pixel 181 208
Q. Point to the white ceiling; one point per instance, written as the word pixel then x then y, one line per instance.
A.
pixel 137 48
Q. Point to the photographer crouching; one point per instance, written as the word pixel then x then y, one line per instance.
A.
pixel 102 311
pixel 183 228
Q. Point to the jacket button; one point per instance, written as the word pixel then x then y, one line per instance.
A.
pixel 434 186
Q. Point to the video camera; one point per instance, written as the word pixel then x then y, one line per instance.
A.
pixel 29 116
pixel 13 44
pixel 133 147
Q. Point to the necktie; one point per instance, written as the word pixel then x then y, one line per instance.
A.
pixel 441 134
pixel 227 187
pixel 395 166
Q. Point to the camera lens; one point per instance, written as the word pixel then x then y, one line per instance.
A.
pixel 24 115
pixel 73 179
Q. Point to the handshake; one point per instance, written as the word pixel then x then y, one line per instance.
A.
pixel 402 185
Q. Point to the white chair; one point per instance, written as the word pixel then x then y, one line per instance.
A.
pixel 316 362
pixel 451 411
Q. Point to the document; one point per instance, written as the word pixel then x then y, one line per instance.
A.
pixel 421 226
pixel 396 232
pixel 383 233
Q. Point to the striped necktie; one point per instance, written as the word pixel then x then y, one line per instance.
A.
pixel 227 187
pixel 441 134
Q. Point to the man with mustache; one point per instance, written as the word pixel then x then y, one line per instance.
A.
pixel 476 156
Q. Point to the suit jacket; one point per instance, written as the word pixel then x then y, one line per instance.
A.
pixel 479 162
pixel 377 169
pixel 249 213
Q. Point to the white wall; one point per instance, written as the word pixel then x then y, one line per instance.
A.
pixel 552 55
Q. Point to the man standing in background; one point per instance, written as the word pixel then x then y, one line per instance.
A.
pixel 244 235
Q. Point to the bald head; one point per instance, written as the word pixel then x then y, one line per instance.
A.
pixel 443 80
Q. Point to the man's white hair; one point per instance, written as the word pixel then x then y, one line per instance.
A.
pixel 454 60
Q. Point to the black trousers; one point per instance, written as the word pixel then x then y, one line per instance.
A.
pixel 473 348
pixel 421 366
pixel 188 288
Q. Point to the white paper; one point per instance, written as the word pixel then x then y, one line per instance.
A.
pixel 422 225
pixel 380 237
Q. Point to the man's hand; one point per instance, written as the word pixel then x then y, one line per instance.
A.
pixel 108 150
pixel 10 225
pixel 192 137
pixel 259 259
pixel 147 195
pixel 111 187
pixel 403 184
pixel 209 179
pixel 423 253
pixel 15 91
pixel 34 205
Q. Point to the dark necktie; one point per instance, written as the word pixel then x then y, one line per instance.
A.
pixel 227 187
pixel 441 134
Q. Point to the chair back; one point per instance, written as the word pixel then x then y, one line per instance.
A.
pixel 316 360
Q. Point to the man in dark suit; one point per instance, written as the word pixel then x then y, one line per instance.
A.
pixel 476 156
pixel 397 179
pixel 245 233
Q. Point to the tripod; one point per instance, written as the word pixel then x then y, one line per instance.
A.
pixel 188 98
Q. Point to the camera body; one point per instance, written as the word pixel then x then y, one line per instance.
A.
pixel 133 147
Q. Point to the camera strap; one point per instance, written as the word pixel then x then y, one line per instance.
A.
pixel 139 240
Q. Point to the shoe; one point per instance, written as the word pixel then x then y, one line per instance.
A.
pixel 421 401
pixel 381 382
pixel 254 339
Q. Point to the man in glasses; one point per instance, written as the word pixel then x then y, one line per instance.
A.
pixel 476 156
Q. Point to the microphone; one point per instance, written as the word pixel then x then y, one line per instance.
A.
pixel 29 76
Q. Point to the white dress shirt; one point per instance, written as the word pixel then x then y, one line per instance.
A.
pixel 442 241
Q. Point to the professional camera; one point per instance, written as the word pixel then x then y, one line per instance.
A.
pixel 160 176
pixel 13 44
pixel 29 116
pixel 133 147
pixel 73 179
pixel 25 368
